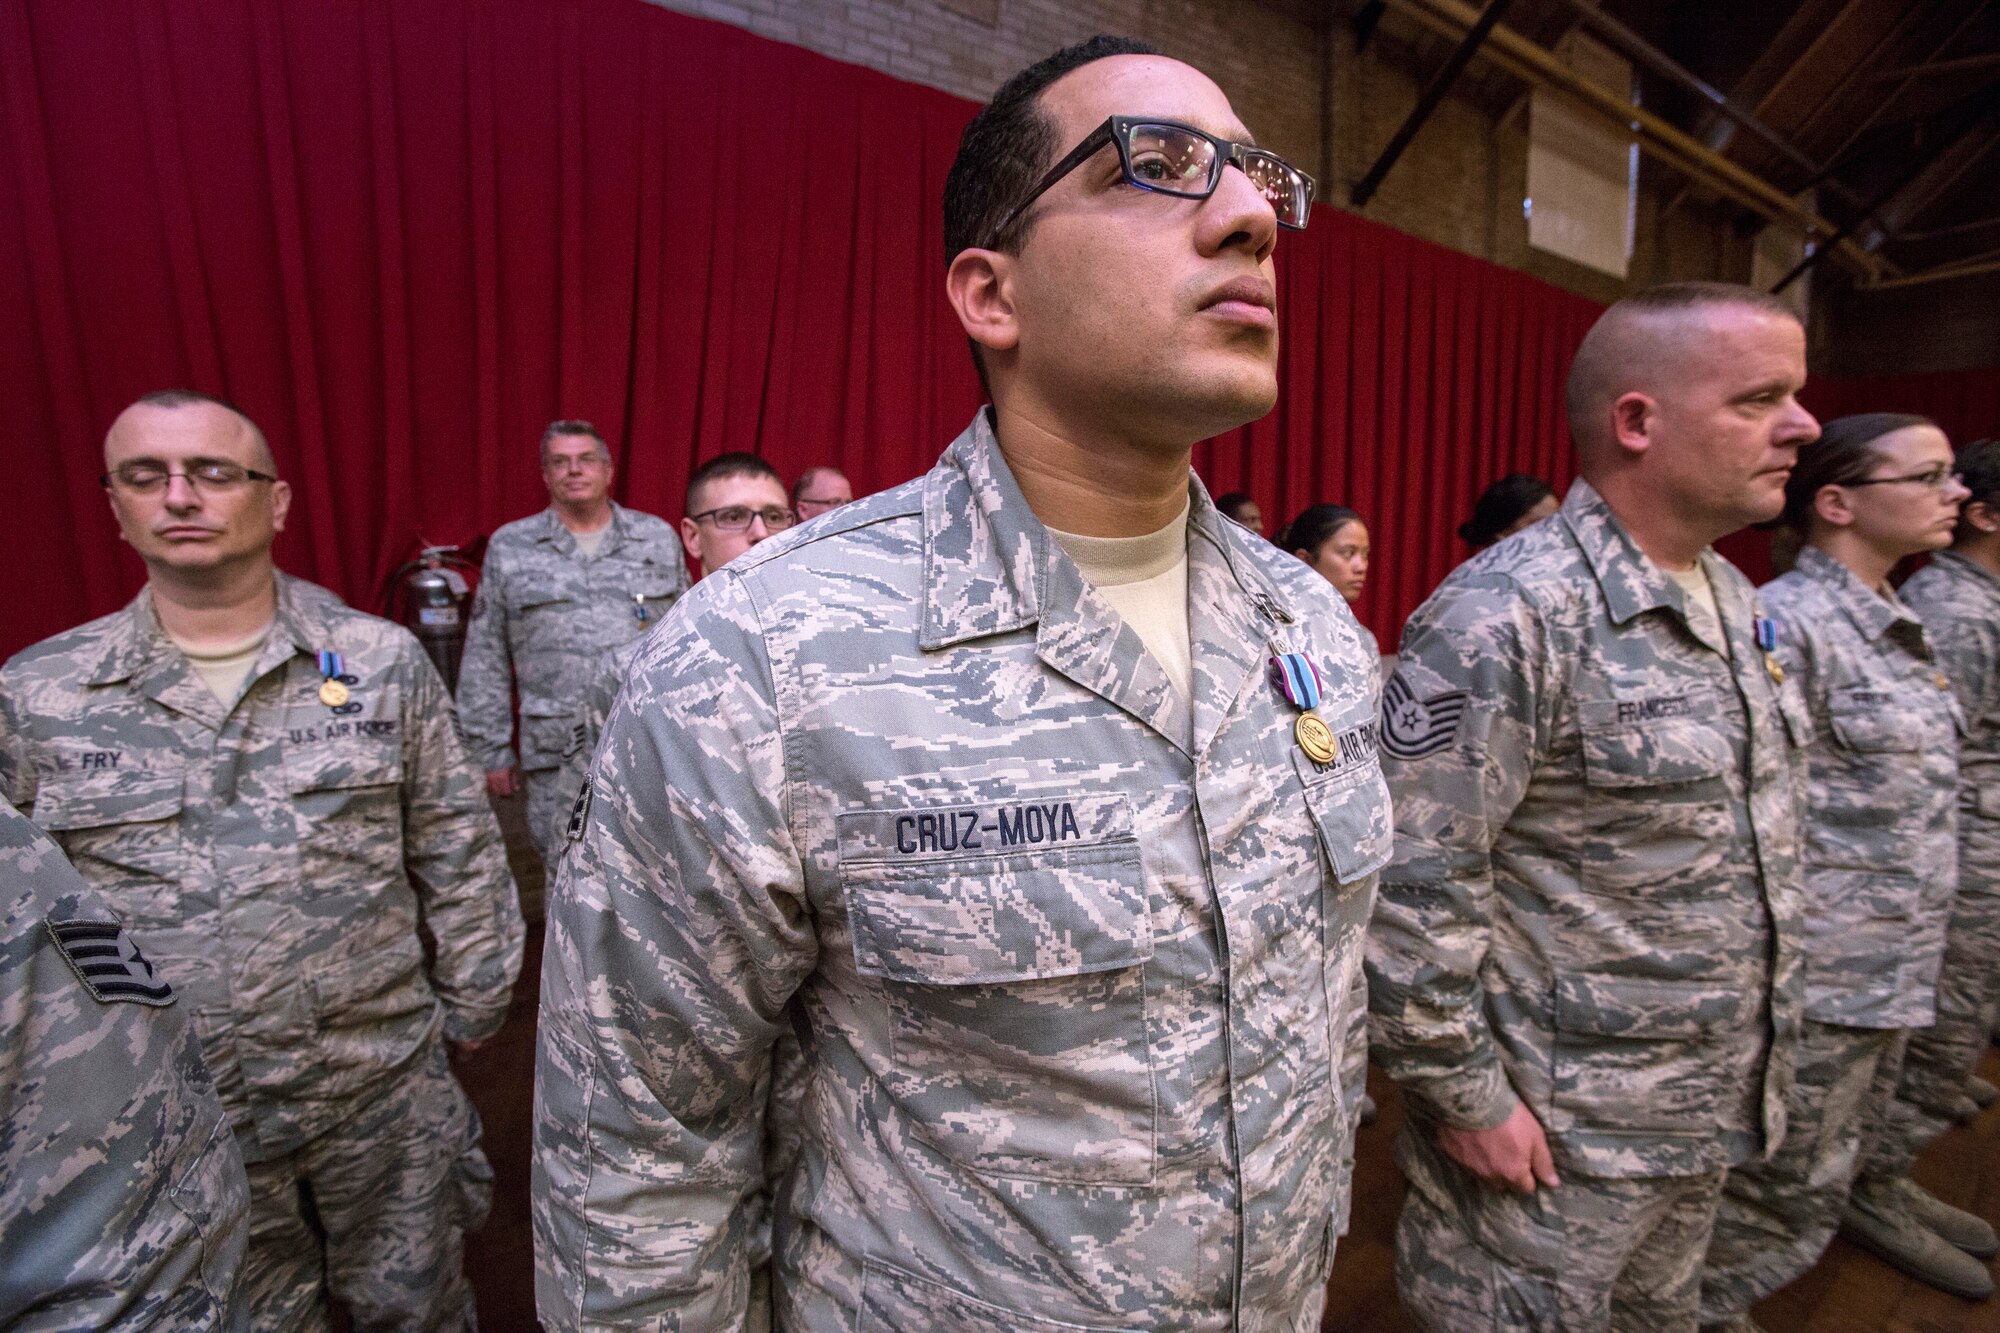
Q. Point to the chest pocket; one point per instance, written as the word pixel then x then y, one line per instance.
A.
pixel 1869 722
pixel 1657 816
pixel 1010 941
pixel 122 831
pixel 345 776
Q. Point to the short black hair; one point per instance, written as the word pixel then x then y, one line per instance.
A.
pixel 1978 466
pixel 729 465
pixel 1500 504
pixel 1230 503
pixel 1314 527
pixel 1843 453
pixel 1008 145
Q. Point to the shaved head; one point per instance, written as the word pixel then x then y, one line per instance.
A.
pixel 255 452
pixel 1649 343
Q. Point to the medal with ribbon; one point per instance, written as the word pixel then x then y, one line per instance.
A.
pixel 1766 631
pixel 1299 679
pixel 639 611
pixel 332 690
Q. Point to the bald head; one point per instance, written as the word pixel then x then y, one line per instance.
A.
pixel 233 436
pixel 1651 343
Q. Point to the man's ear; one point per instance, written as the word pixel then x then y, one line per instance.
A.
pixel 281 504
pixel 1633 416
pixel 979 286
pixel 690 533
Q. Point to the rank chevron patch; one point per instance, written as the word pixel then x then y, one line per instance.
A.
pixel 1413 727
pixel 107 961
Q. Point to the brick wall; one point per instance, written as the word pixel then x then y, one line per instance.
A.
pixel 1459 184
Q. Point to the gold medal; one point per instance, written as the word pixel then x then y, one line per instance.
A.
pixel 1943 681
pixel 1315 739
pixel 1777 672
pixel 332 693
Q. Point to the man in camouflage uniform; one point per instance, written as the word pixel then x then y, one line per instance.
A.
pixel 268 789
pixel 1068 923
pixel 1585 954
pixel 1881 836
pixel 1958 596
pixel 558 590
pixel 122 1199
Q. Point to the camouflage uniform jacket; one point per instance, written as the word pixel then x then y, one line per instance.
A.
pixel 1078 996
pixel 122 1198
pixel 1594 906
pixel 1881 828
pixel 587 719
pixel 544 615
pixel 276 856
pixel 1960 606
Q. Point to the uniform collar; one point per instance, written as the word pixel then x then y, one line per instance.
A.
pixel 1873 613
pixel 138 650
pixel 1631 582
pixel 1965 571
pixel 991 567
pixel 556 534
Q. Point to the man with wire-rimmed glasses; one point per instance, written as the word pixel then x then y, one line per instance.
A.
pixel 267 788
pixel 1036 798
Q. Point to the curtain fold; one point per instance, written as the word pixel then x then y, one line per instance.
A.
pixel 405 234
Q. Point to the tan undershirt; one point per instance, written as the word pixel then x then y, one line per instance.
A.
pixel 1703 614
pixel 588 542
pixel 1145 581
pixel 224 670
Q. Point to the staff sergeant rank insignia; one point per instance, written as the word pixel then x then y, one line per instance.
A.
pixel 108 962
pixel 1413 727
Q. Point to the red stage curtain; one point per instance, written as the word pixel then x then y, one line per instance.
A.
pixel 405 234
pixel 1966 403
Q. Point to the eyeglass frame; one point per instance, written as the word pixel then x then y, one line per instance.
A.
pixel 111 481
pixel 1935 478
pixel 755 514
pixel 1117 131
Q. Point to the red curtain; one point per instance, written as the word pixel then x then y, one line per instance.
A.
pixel 1966 403
pixel 405 234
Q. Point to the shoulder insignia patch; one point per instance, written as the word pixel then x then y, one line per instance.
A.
pixel 106 959
pixel 1413 728
pixel 579 814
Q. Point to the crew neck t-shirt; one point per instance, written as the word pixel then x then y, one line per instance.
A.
pixel 225 669
pixel 1145 581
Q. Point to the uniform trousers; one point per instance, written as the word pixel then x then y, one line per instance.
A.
pixel 1942 1057
pixel 1587 1255
pixel 551 793
pixel 1777 1217
pixel 374 1212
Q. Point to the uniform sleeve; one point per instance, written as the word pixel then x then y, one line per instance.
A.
pixel 586 725
pixel 485 676
pixel 677 933
pixel 453 852
pixel 17 764
pixel 123 1203
pixel 1461 733
pixel 1968 648
pixel 1353 1087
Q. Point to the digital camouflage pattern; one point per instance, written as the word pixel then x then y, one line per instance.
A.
pixel 122 1198
pixel 1076 995
pixel 1777 1217
pixel 1594 906
pixel 276 856
pixel 1960 606
pixel 395 1187
pixel 1881 825
pixel 586 726
pixel 1594 1253
pixel 542 619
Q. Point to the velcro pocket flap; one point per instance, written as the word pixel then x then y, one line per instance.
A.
pixel 104 800
pixel 1355 823
pixel 1868 722
pixel 1655 754
pixel 997 892
pixel 1644 1008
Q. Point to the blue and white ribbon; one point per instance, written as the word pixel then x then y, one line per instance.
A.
pixel 331 665
pixel 1767 633
pixel 1298 678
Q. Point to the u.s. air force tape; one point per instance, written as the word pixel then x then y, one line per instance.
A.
pixel 106 959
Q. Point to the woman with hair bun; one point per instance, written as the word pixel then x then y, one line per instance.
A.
pixel 1514 502
pixel 1879 848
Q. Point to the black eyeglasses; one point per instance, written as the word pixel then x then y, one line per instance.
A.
pixel 1937 478
pixel 202 474
pixel 1168 157
pixel 738 518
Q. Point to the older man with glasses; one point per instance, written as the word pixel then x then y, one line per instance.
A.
pixel 1038 800
pixel 266 787
pixel 559 589
pixel 821 490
